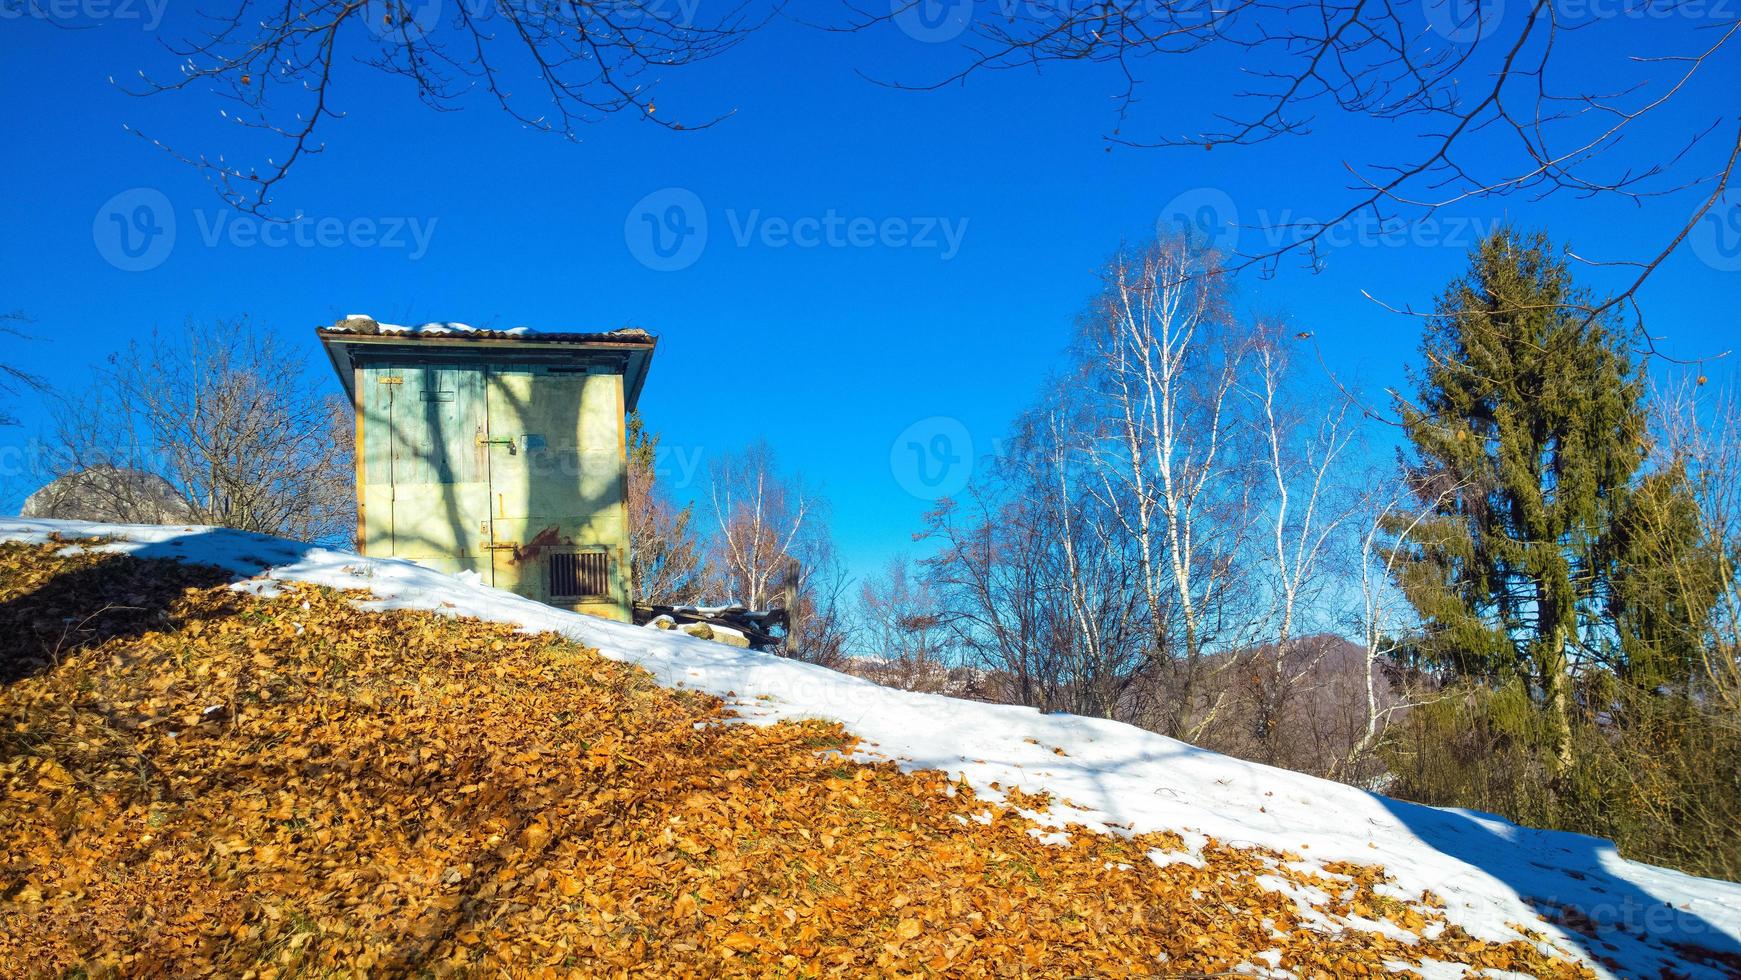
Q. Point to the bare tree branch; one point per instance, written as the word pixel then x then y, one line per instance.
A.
pixel 275 66
pixel 1486 104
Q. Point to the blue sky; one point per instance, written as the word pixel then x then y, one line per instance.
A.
pixel 992 203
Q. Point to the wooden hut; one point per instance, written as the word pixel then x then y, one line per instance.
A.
pixel 498 452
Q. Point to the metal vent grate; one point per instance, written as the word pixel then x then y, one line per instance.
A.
pixel 578 574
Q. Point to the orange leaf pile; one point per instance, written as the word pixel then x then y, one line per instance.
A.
pixel 201 781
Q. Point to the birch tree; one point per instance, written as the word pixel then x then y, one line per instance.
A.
pixel 771 549
pixel 1385 615
pixel 761 520
pixel 1102 649
pixel 1164 358
pixel 1308 507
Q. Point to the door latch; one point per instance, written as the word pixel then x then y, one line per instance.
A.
pixel 503 441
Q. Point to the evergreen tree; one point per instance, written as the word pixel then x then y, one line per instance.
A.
pixel 1528 431
pixel 643 445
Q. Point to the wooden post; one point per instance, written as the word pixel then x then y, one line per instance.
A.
pixel 789 598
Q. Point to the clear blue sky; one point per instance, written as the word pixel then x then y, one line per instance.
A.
pixel 828 352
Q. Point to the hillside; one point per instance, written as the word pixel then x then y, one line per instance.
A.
pixel 421 774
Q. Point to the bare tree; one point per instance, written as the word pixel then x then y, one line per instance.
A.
pixel 1473 101
pixel 1165 360
pixel 1036 579
pixel 1385 616
pixel 229 420
pixel 771 549
pixel 1698 438
pixel 762 522
pixel 993 575
pixel 1102 649
pixel 903 625
pixel 669 561
pixel 551 66
pixel 814 590
pixel 1162 517
pixel 1312 502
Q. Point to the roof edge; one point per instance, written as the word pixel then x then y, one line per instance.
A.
pixel 360 331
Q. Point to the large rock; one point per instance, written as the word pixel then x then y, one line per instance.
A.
pixel 110 495
pixel 716 633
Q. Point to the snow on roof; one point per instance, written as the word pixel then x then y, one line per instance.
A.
pixel 1493 875
pixel 362 323
pixel 451 327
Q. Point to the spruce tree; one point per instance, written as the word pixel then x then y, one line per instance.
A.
pixel 1527 431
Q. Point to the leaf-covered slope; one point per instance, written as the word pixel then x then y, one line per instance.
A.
pixel 201 780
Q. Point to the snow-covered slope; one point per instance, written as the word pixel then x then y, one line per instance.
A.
pixel 1493 875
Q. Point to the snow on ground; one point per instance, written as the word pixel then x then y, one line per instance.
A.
pixel 1493 875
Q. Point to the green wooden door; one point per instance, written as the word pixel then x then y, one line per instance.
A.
pixel 526 503
pixel 426 463
pixel 555 484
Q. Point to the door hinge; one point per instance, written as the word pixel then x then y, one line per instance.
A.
pixel 501 546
